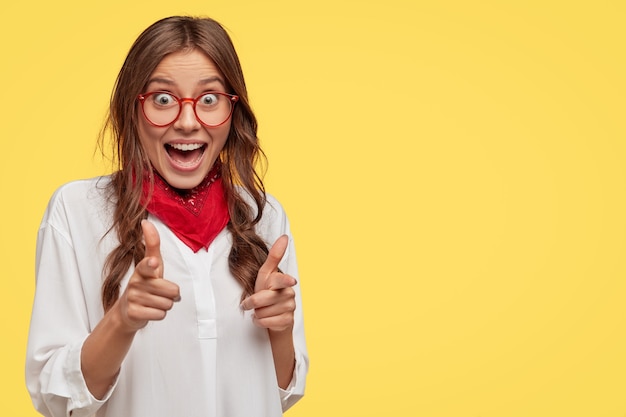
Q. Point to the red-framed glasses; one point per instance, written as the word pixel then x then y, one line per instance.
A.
pixel 212 109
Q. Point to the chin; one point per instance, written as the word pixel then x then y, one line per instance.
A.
pixel 184 183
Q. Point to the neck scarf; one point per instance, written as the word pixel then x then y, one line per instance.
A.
pixel 195 216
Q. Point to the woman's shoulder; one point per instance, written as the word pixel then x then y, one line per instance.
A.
pixel 77 198
pixel 274 221
pixel 272 204
pixel 82 187
pixel 80 192
pixel 271 208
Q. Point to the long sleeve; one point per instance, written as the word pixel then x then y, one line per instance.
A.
pixel 59 324
pixel 278 223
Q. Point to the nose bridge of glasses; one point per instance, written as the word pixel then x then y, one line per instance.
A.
pixel 184 100
pixel 182 115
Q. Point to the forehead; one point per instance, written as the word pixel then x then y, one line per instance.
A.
pixel 186 65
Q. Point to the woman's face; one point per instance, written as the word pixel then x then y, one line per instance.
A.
pixel 184 151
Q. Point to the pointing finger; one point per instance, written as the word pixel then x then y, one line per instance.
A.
pixel 151 239
pixel 276 253
pixel 279 281
pixel 153 248
pixel 149 268
pixel 280 290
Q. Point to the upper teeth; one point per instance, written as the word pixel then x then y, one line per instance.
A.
pixel 185 146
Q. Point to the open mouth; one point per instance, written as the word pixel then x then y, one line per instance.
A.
pixel 185 154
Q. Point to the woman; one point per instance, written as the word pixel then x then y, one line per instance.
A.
pixel 156 292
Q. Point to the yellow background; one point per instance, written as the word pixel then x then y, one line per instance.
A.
pixel 454 172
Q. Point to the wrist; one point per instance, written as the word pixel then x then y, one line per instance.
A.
pixel 281 334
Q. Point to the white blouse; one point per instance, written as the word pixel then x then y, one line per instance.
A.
pixel 206 358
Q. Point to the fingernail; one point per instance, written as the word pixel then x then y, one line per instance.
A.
pixel 177 299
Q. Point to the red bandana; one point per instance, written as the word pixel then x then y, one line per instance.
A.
pixel 196 216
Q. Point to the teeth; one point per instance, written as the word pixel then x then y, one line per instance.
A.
pixel 186 146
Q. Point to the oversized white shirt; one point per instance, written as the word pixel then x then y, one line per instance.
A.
pixel 205 359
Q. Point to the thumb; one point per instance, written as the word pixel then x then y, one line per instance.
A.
pixel 153 246
pixel 276 253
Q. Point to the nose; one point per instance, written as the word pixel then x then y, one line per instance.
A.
pixel 187 120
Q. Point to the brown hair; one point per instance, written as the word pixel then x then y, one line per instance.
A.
pixel 239 155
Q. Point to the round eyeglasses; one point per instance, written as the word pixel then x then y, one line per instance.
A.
pixel 212 109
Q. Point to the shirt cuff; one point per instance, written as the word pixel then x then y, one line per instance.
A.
pixel 82 403
pixel 295 390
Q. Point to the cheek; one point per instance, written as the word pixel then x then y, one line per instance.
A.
pixel 148 138
pixel 148 148
pixel 224 134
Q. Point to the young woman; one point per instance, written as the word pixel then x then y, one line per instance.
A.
pixel 168 289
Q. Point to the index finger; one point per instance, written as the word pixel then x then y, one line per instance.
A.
pixel 276 253
pixel 152 242
pixel 151 239
pixel 280 281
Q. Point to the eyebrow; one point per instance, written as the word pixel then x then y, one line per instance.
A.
pixel 201 82
pixel 212 79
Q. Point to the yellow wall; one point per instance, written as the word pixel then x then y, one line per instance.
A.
pixel 454 172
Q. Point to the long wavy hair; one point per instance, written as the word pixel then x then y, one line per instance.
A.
pixel 239 155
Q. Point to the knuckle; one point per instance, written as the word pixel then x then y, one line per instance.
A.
pixel 251 303
pixel 133 295
pixel 132 286
pixel 132 311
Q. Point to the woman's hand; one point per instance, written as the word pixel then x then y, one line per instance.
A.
pixel 147 296
pixel 273 300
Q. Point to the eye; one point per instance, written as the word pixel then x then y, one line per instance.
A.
pixel 209 99
pixel 163 99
